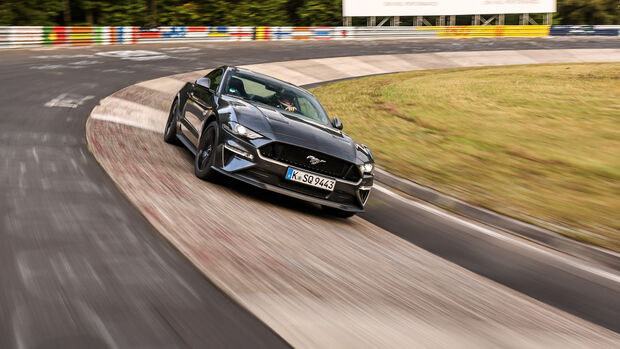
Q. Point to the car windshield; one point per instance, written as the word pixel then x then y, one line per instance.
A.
pixel 276 94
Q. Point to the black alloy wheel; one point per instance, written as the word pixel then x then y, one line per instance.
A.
pixel 206 152
pixel 170 132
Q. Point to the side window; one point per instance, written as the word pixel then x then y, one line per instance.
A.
pixel 216 78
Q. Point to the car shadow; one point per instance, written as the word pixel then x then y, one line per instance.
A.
pixel 276 199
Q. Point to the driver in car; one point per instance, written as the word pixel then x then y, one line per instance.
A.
pixel 286 101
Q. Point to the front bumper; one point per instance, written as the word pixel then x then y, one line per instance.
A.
pixel 240 159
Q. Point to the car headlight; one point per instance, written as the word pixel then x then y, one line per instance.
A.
pixel 367 167
pixel 242 131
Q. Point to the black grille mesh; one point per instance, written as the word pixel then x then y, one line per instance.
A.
pixel 298 157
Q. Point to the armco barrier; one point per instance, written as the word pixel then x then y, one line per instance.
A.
pixel 41 36
pixel 584 30
pixel 491 31
pixel 49 36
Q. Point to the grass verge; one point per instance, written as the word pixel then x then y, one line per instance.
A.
pixel 539 142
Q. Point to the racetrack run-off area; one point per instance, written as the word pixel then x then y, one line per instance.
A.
pixel 539 143
pixel 315 280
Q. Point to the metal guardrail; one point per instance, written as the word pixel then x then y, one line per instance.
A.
pixel 43 35
pixel 584 30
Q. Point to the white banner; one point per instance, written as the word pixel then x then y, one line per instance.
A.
pixel 366 8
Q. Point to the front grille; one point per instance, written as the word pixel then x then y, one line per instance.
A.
pixel 298 157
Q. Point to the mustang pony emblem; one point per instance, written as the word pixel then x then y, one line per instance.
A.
pixel 314 160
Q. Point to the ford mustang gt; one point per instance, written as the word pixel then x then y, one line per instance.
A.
pixel 273 135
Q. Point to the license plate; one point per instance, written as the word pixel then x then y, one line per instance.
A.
pixel 310 179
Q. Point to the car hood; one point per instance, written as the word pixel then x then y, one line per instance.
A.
pixel 286 127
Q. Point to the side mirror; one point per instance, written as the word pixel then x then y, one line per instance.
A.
pixel 337 123
pixel 204 83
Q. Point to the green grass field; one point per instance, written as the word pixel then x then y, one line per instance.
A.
pixel 540 142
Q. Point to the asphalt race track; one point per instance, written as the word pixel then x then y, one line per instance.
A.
pixel 64 218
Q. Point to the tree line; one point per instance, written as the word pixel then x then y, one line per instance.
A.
pixel 236 12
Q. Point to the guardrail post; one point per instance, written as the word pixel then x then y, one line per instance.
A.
pixel 548 19
pixel 383 21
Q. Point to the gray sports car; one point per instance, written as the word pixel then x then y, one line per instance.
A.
pixel 273 135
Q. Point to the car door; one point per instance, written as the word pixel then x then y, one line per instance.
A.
pixel 199 106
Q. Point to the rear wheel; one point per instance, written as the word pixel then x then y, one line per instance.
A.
pixel 170 132
pixel 205 156
pixel 338 213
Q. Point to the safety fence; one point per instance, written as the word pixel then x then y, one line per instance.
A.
pixel 42 36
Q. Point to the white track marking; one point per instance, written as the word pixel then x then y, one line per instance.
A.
pixel 63 56
pixel 68 100
pixel 54 67
pixel 183 49
pixel 507 238
pixel 118 71
pixel 35 154
pixel 86 62
pixel 135 55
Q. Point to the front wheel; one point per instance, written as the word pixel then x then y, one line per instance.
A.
pixel 338 213
pixel 205 156
pixel 170 132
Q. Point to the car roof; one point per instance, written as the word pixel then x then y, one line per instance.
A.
pixel 259 75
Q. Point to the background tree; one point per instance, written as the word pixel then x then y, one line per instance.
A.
pixel 89 7
pixel 181 13
pixel 292 6
pixel 153 13
pixel 320 12
pixel 589 11
pixel 254 13
pixel 123 12
pixel 66 12
pixel 30 12
pixel 234 12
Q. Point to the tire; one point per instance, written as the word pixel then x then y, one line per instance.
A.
pixel 338 213
pixel 170 132
pixel 206 152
